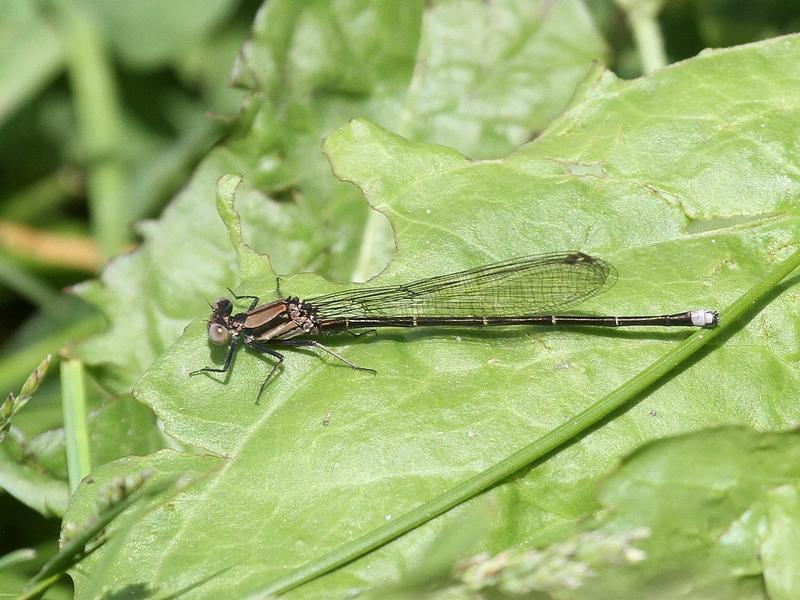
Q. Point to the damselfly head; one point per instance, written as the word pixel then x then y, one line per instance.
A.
pixel 222 308
pixel 218 325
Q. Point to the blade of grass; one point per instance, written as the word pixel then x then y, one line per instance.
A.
pixel 42 198
pixel 16 557
pixel 99 116
pixel 173 162
pixel 581 423
pixel 32 288
pixel 38 590
pixel 76 428
pixel 15 366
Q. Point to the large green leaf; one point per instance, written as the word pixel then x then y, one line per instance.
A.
pixel 737 493
pixel 478 77
pixel 734 488
pixel 685 180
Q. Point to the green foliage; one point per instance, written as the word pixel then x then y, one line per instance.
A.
pixel 736 490
pixel 447 405
pixel 729 484
pixel 79 541
pixel 15 402
pixel 455 133
pixel 25 481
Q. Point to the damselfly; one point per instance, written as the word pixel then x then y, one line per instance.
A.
pixel 520 291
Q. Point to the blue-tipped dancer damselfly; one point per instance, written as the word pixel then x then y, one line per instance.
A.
pixel 520 291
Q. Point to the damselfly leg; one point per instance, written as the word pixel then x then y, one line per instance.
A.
pixel 264 350
pixel 228 359
pixel 316 344
pixel 254 299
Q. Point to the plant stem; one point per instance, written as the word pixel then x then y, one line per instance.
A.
pixel 100 122
pixel 76 428
pixel 643 17
pixel 38 590
pixel 27 285
pixel 17 557
pixel 42 198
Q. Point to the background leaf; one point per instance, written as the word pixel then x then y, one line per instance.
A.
pixel 144 33
pixel 778 553
pixel 700 155
pixel 728 481
pixel 685 180
pixel 735 487
pixel 29 54
pixel 403 70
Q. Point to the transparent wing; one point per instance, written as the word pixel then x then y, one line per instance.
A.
pixel 531 285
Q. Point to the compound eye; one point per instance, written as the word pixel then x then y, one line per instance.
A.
pixel 218 334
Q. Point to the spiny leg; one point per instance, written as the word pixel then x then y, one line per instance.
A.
pixel 254 299
pixel 315 344
pixel 277 355
pixel 228 360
